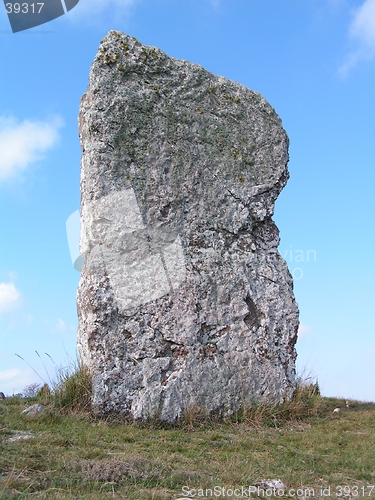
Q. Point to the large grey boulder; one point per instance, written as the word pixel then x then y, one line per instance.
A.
pixel 184 301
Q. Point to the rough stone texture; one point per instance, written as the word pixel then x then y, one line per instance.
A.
pixel 33 410
pixel 184 300
pixel 16 436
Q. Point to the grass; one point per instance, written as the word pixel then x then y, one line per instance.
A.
pixel 75 455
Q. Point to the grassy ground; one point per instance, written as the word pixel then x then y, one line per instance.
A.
pixel 74 455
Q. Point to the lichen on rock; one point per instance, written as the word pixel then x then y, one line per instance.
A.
pixel 184 300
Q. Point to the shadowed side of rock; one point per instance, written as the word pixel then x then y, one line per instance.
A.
pixel 184 300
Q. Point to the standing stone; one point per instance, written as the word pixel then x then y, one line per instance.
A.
pixel 184 301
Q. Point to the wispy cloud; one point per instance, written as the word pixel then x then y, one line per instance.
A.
pixel 60 327
pixel 91 11
pixel 362 34
pixel 22 143
pixel 9 296
pixel 9 374
pixel 335 4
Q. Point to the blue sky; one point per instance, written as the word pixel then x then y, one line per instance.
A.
pixel 313 60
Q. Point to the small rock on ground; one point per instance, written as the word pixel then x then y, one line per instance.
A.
pixel 19 436
pixel 33 410
pixel 276 484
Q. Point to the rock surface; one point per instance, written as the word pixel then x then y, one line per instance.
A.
pixel 184 301
pixel 33 410
pixel 16 436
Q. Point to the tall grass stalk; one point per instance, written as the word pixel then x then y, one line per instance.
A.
pixel 69 391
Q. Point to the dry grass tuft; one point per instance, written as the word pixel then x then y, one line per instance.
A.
pixel 117 471
pixel 305 403
pixel 71 392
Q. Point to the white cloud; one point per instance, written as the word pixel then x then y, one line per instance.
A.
pixel 90 10
pixel 363 25
pixel 362 32
pixel 303 331
pixel 14 380
pixel 22 143
pixel 9 296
